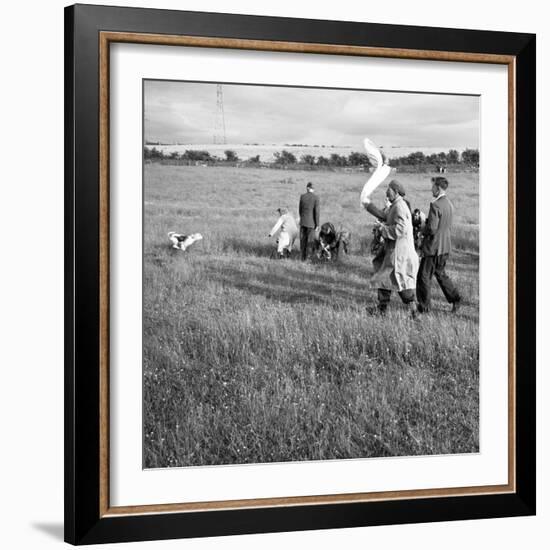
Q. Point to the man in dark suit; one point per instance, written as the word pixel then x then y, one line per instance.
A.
pixel 309 211
pixel 436 248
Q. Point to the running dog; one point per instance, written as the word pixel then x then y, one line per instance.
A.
pixel 183 242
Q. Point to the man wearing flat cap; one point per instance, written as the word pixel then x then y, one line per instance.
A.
pixel 398 268
pixel 436 248
pixel 309 211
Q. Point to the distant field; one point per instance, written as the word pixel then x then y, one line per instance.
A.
pixel 248 359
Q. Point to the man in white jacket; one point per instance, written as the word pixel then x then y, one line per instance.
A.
pixel 288 231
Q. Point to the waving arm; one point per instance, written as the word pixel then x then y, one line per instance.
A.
pixel 276 227
pixel 376 212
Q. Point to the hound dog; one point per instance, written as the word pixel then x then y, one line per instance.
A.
pixel 183 242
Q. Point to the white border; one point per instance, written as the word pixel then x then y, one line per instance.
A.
pixel 129 484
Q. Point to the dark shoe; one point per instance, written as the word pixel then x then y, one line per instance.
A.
pixel 456 306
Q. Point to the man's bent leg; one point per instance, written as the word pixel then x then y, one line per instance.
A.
pixel 407 296
pixel 384 297
pixel 451 293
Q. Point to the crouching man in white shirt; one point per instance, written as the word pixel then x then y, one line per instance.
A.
pixel 288 231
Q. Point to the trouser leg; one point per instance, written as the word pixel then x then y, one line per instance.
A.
pixel 303 242
pixel 306 238
pixel 407 296
pixel 338 249
pixel 311 241
pixel 424 282
pixel 283 242
pixel 449 290
pixel 384 297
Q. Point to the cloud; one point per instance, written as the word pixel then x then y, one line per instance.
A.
pixel 186 112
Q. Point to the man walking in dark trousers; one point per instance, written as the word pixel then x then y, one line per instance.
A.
pixel 309 211
pixel 436 248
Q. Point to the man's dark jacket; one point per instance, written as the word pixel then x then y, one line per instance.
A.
pixel 437 233
pixel 309 210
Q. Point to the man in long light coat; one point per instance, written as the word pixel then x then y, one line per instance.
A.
pixel 399 267
pixel 288 228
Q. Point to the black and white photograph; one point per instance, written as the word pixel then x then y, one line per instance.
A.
pixel 310 274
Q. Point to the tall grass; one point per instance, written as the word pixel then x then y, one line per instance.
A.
pixel 251 360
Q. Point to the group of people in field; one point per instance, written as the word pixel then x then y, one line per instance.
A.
pixel 397 264
pixel 398 268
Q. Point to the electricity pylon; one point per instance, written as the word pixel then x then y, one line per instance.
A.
pixel 219 122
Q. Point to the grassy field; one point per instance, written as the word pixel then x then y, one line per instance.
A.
pixel 248 359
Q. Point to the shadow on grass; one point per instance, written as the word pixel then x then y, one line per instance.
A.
pixel 161 253
pixel 292 282
pixel 287 283
pixel 341 283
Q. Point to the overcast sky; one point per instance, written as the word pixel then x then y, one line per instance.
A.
pixel 186 112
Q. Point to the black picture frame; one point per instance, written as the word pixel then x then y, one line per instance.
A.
pixel 84 522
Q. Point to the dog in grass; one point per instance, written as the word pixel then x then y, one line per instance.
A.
pixel 183 242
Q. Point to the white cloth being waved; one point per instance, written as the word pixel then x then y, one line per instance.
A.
pixel 381 171
pixel 286 224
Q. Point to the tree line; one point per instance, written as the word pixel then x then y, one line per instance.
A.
pixel 468 157
pixel 451 157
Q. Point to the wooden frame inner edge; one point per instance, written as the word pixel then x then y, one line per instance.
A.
pixel 299 47
pixel 105 39
pixel 104 277
pixel 512 274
